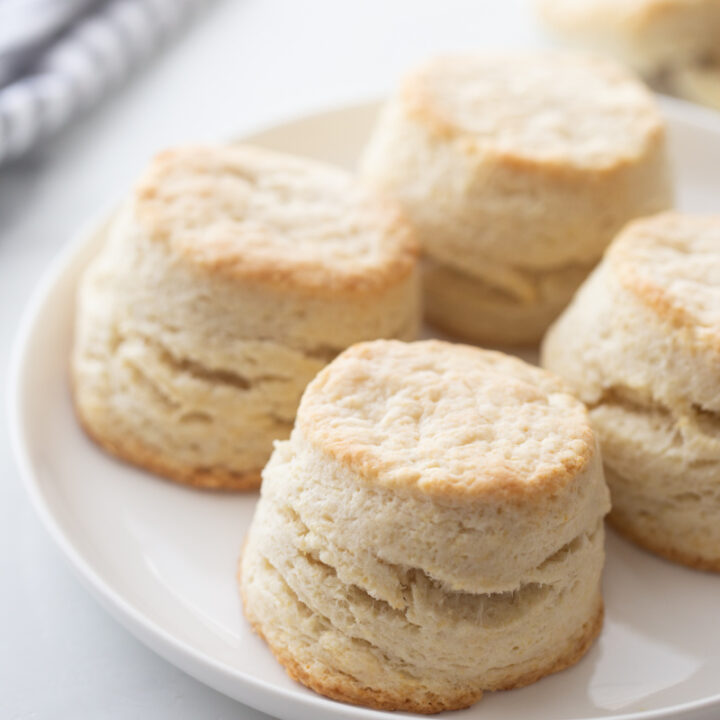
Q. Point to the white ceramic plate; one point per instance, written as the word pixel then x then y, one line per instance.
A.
pixel 161 558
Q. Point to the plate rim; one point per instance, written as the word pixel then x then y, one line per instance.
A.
pixel 162 642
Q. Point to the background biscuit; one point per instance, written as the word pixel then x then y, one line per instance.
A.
pixel 640 343
pixel 228 279
pixel 517 170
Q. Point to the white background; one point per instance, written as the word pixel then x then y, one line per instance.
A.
pixel 242 64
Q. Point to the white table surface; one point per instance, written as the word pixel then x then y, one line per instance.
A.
pixel 242 64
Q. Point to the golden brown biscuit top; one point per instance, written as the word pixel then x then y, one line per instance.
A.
pixel 257 215
pixel 671 263
pixel 569 109
pixel 446 420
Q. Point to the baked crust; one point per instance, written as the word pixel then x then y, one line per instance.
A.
pixel 652 36
pixel 671 263
pixel 659 536
pixel 257 216
pixel 698 83
pixel 658 544
pixel 344 688
pixel 533 436
pixel 476 102
pixel 497 311
pixel 132 450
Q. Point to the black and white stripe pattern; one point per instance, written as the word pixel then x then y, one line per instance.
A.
pixel 57 57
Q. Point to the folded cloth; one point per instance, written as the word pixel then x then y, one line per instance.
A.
pixel 57 57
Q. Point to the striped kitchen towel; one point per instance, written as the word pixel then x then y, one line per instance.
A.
pixel 58 57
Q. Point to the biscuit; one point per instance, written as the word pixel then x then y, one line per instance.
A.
pixel 698 83
pixel 674 44
pixel 228 279
pixel 640 344
pixel 432 529
pixel 516 170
